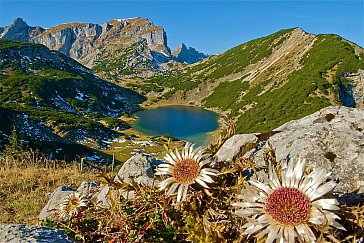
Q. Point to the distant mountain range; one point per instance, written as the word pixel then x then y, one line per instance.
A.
pixel 134 46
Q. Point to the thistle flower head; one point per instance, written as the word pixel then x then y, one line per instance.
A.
pixel 284 209
pixel 185 169
pixel 71 205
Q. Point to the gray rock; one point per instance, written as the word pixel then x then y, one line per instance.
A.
pixel 332 138
pixel 56 198
pixel 139 167
pixel 102 195
pixel 86 187
pixel 17 233
pixel 358 87
pixel 235 145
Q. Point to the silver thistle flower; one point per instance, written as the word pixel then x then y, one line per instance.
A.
pixel 71 205
pixel 284 209
pixel 184 170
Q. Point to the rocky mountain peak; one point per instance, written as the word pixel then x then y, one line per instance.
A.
pixel 19 22
pixel 19 30
pixel 184 54
pixel 119 44
pixel 181 47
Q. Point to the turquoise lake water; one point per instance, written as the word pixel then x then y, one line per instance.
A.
pixel 182 122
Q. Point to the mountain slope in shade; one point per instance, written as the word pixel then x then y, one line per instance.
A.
pixel 266 82
pixel 189 55
pixel 57 99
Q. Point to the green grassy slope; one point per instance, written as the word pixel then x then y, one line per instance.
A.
pixel 267 104
pixel 298 97
pixel 39 86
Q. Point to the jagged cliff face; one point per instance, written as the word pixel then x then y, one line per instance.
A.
pixel 112 48
pixel 189 55
pixel 87 43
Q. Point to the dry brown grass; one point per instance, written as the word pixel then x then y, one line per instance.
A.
pixel 23 190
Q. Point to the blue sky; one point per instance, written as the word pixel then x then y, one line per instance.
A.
pixel 209 26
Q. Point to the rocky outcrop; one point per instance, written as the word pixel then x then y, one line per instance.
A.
pixel 332 138
pixel 56 198
pixel 14 233
pixel 88 43
pixel 235 145
pixel 85 42
pixel 189 55
pixel 357 90
pixel 19 30
pixel 114 48
pixel 138 170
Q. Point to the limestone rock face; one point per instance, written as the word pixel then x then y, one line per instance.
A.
pixel 74 40
pixel 184 54
pixel 332 138
pixel 114 48
pixel 89 43
pixel 357 92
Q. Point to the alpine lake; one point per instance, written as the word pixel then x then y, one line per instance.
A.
pixel 187 123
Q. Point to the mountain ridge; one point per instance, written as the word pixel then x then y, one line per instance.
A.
pixel 270 80
pixel 115 48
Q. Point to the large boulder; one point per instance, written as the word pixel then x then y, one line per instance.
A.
pixel 332 138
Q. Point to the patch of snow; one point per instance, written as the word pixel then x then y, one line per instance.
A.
pixel 121 20
pixel 63 104
pixel 79 95
pixel 119 140
pixel 144 143
pixel 93 157
pixel 119 97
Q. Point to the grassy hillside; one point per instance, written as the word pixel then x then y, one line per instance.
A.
pixel 23 189
pixel 306 91
pixel 45 90
pixel 268 81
